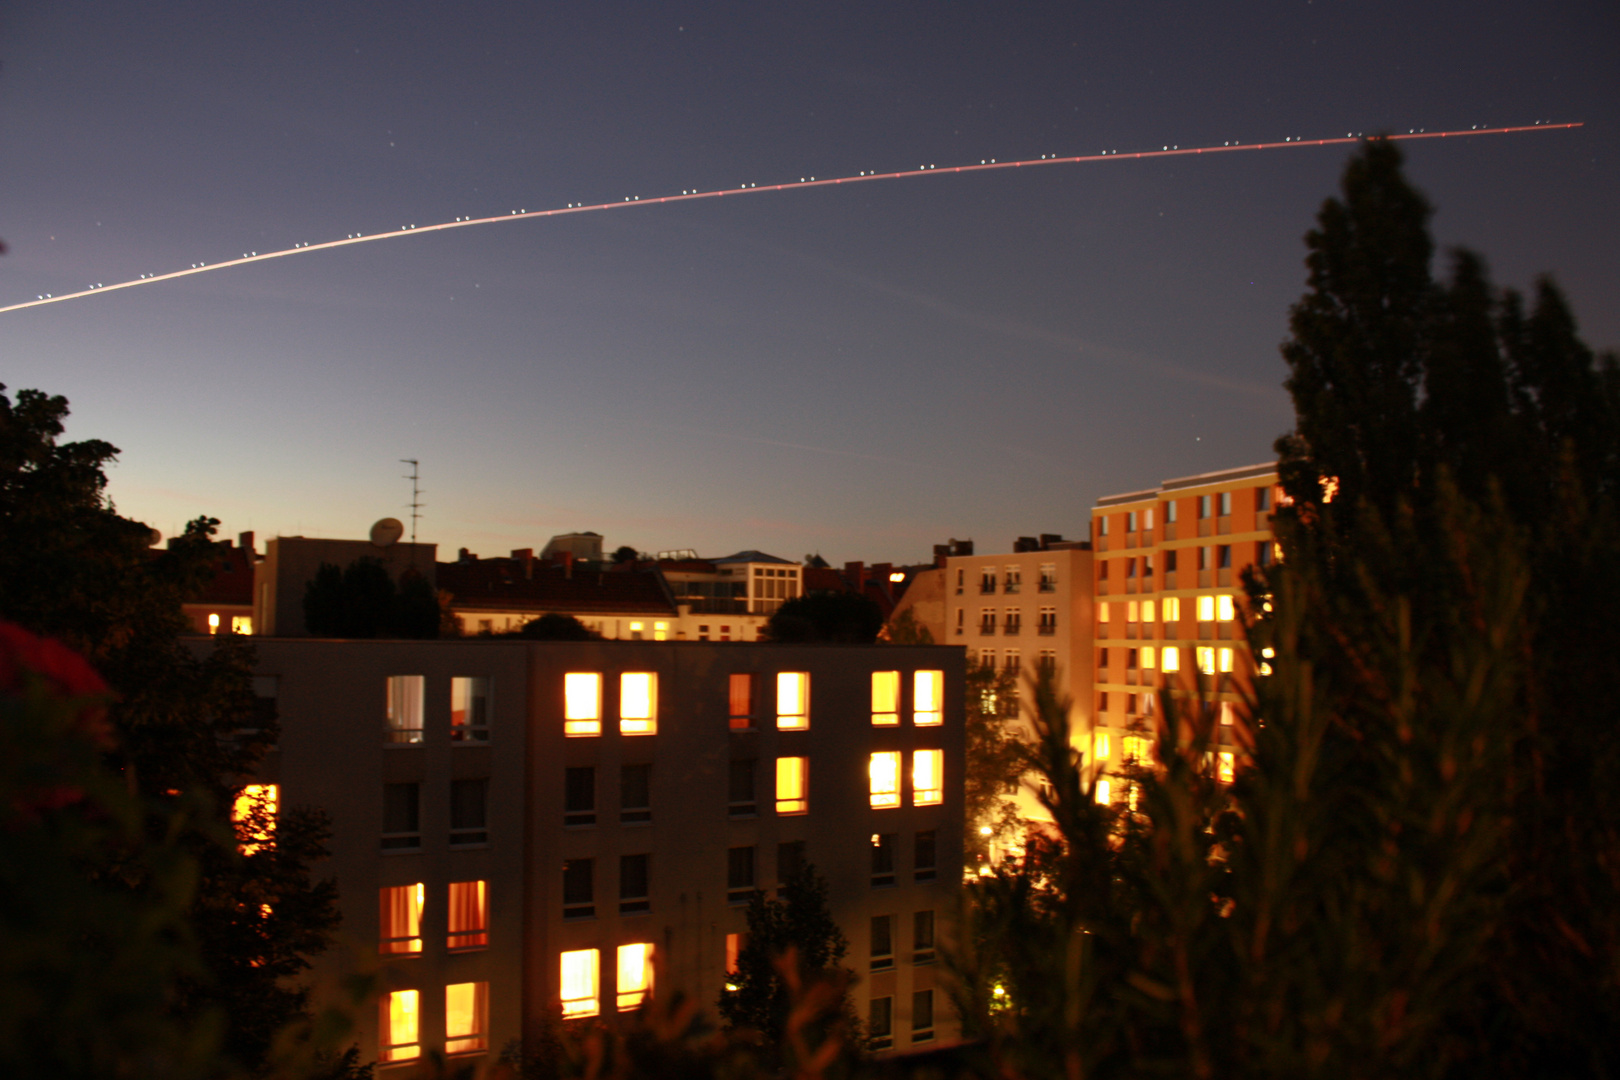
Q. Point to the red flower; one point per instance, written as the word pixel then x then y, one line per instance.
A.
pixel 23 654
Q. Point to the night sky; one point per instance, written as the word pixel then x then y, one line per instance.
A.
pixel 861 372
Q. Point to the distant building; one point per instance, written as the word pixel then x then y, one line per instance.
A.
pixel 225 606
pixel 495 596
pixel 291 562
pixel 1169 565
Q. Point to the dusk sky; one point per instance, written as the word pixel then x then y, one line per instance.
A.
pixel 860 371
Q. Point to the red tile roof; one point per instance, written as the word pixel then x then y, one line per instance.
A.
pixel 503 585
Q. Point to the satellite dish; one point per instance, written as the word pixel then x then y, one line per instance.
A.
pixel 387 531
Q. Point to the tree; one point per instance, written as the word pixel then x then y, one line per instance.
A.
pixel 826 615
pixel 624 554
pixel 556 626
pixel 362 601
pixel 906 630
pixel 995 761
pixel 187 728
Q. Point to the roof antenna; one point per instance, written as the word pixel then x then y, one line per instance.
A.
pixel 416 502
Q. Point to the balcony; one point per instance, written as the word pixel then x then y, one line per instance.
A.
pixel 987 588
pixel 987 629
pixel 1169 530
pixel 1012 587
pixel 1048 586
pixel 1223 526
pixel 1011 629
pixel 1046 629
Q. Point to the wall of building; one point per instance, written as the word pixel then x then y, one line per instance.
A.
pixel 291 562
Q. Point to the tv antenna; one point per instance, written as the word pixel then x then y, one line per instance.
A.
pixel 416 503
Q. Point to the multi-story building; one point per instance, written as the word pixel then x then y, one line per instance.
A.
pixel 225 605
pixel 525 829
pixel 1169 564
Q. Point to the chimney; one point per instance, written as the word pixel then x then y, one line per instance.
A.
pixel 941 553
pixel 1025 543
pixel 526 557
pixel 1048 539
pixel 245 542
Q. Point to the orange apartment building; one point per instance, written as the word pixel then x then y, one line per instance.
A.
pixel 1168 579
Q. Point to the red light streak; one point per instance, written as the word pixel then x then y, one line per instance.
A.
pixel 756 189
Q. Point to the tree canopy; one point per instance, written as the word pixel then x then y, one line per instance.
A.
pixel 826 615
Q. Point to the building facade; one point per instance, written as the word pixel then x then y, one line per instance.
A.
pixel 529 829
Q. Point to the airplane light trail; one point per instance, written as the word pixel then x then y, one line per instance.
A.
pixel 756 189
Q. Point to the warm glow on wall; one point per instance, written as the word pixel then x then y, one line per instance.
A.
pixel 582 703
pixel 401 1020
pixel 928 698
pixel 885 698
pixel 254 814
pixel 792 785
pixel 465 1007
pixel 883 778
pixel 635 975
pixel 638 703
pixel 792 700
pixel 241 624
pixel 579 977
pixel 927 777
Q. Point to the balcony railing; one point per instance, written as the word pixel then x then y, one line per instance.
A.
pixel 1048 586
pixel 1011 629
pixel 1046 630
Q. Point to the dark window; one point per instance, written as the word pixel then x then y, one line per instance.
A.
pixel 1203 558
pixel 741 801
pixel 579 889
pixel 1169 561
pixel 402 817
pixel 1102 658
pixel 741 700
pixel 1224 555
pixel 1147 566
pixel 1102 570
pixel 1170 514
pixel 882 942
pixel 1130 568
pixel 1262 552
pixel 1102 701
pixel 1262 499
pixel 739 874
pixel 880 1023
pixel 923 856
pixel 922 1015
pixel 579 796
pixel 922 937
pixel 635 793
pixel 882 859
pixel 469 806
pixel 789 860
pixel 634 877
pixel 1130 659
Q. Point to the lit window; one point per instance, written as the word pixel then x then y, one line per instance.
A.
pixel 213 623
pixel 792 785
pixel 1147 520
pixel 582 703
pixel 254 814
pixel 660 631
pixel 1206 609
pixel 1101 792
pixel 1226 766
pixel 1100 745
pixel 1148 658
pixel 1224 608
pixel 635 975
pixel 405 708
pixel 241 624
pixel 1102 611
pixel 927 777
pixel 1172 609
pixel 1206 659
pixel 928 698
pixel 792 700
pixel 1228 714
pixel 734 944
pixel 466 1008
pixel 1147 611
pixel 401 919
pixel 638 703
pixel 883 773
pixel 401 1018
pixel 469 709
pixel 1170 658
pixel 1131 611
pixel 1226 659
pixel 637 631
pixel 469 915
pixel 1136 749
pixel 885 698
pixel 579 979
pixel 740 700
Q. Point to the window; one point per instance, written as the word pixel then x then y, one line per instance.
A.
pixel 882 860
pixel 634 878
pixel 241 624
pixel 579 795
pixel 660 631
pixel 1014 580
pixel 1225 610
pixel 254 815
pixel 1262 499
pixel 1147 611
pixel 1226 658
pixel 880 1023
pixel 1048 623
pixel 927 777
pixel 402 819
pixel 961 619
pixel 1147 519
pixel 582 704
pixel 882 944
pixel 1012 662
pixel 1048 660
pixel 792 700
pixel 1263 552
pixel 1132 611
pixel 987 658
pixel 883 776
pixel 1048 577
pixel 741 801
pixel 1102 569
pixel 987 620
pixel 1170 659
pixel 922 856
pixel 1131 659
pixel 1206 659
pixel 1170 513
pixel 1102 792
pixel 1148 658
pixel 1136 749
pixel 922 937
pixel 741 700
pixel 1100 746
pixel 579 889
pixel 1170 558
pixel 638 703
pixel 734 947
pixel 1130 568
pixel 1102 658
pixel 1204 557
pixel 466 1010
pixel 1130 521
pixel 1102 525
pixel 928 698
pixel 1102 701
pixel 1226 767
pixel 404 709
pixel 792 785
pixel 635 975
pixel 1206 609
pixel 922 1016
pixel 469 915
pixel 987 580
pixel 789 860
pixel 739 874
pixel 469 805
pixel 469 709
pixel 401 1016
pixel 1014 621
pixel 1223 557
pixel 635 794
pixel 1223 503
pixel 1203 506
pixel 1102 612
pixel 579 981
pixel 400 919
pixel 1228 714
pixel 960 574
pixel 1171 607
pixel 885 698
